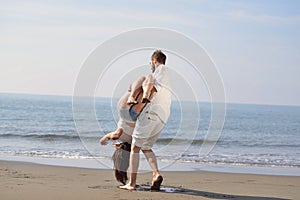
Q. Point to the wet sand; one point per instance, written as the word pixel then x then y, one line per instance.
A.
pixel 20 180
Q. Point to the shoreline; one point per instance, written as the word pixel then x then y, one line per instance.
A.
pixel 106 164
pixel 37 181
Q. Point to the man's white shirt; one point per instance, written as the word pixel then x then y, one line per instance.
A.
pixel 160 102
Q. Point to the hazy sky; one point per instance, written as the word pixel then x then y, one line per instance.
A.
pixel 255 44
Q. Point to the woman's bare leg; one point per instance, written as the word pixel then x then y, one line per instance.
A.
pixel 139 106
pixel 123 101
pixel 138 94
pixel 134 90
pixel 140 103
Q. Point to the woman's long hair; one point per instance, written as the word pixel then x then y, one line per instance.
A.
pixel 121 158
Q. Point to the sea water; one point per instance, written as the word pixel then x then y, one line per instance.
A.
pixel 42 127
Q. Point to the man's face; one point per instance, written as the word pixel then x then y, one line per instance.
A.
pixel 152 65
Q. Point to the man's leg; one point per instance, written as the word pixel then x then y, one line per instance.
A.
pixel 134 166
pixel 151 158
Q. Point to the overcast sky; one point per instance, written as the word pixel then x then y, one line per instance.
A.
pixel 255 44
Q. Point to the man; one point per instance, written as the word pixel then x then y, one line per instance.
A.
pixel 150 123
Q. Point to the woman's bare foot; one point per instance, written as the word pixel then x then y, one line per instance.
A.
pixel 131 101
pixel 127 187
pixel 145 100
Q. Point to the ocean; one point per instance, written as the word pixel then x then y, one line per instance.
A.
pixel 41 127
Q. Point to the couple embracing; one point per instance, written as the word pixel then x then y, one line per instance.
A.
pixel 143 111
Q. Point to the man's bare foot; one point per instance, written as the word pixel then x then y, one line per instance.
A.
pixel 127 187
pixel 156 183
pixel 131 101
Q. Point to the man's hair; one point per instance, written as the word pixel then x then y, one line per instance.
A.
pixel 159 56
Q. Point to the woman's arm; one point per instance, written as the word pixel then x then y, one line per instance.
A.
pixel 111 136
pixel 116 134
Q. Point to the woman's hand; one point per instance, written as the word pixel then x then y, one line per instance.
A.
pixel 116 144
pixel 103 140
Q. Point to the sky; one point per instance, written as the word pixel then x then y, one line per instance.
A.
pixel 254 44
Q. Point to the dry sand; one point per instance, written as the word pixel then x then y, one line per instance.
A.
pixel 33 181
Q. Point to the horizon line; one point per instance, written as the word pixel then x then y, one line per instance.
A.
pixel 66 95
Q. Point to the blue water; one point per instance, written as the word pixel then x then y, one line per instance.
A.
pixel 253 135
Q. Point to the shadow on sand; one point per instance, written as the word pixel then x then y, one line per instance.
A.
pixel 212 195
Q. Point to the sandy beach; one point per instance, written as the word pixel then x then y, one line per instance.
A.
pixel 20 180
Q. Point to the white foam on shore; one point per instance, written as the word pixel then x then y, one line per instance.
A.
pixel 164 166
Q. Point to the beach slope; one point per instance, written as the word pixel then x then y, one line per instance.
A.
pixel 21 180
